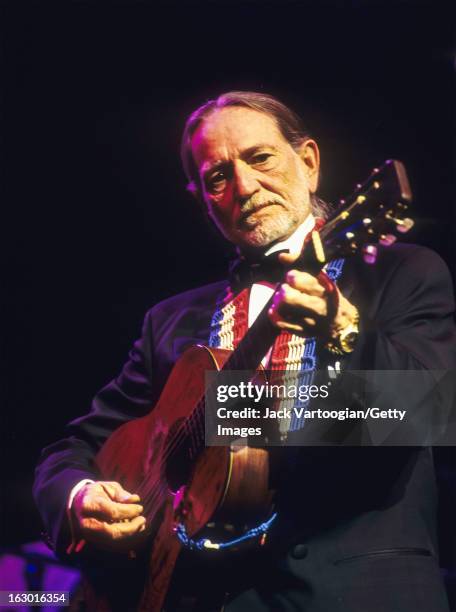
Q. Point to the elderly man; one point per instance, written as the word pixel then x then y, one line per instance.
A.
pixel 356 525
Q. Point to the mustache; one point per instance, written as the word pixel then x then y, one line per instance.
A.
pixel 258 201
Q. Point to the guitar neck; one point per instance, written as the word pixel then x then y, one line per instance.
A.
pixel 365 218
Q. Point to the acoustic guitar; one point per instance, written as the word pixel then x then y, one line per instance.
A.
pixel 189 490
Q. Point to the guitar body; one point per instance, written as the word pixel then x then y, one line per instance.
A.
pixel 223 486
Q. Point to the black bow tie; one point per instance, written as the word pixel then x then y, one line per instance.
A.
pixel 244 273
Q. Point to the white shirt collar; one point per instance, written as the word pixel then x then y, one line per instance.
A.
pixel 295 242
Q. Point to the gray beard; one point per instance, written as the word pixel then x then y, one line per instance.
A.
pixel 274 229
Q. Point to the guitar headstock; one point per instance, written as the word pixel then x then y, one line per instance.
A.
pixel 376 212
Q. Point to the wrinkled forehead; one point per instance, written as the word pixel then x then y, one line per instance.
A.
pixel 229 131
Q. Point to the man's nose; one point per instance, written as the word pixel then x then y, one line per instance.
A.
pixel 245 181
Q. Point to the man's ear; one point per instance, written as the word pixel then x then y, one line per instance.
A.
pixel 309 153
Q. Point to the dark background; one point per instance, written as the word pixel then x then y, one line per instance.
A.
pixel 96 221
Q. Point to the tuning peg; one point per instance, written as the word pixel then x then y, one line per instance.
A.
pixel 370 254
pixel 404 225
pixel 387 240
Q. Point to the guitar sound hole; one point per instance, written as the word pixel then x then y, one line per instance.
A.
pixel 179 455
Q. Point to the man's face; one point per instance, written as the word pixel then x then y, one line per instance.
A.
pixel 256 186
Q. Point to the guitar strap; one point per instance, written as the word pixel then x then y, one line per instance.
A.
pixel 293 358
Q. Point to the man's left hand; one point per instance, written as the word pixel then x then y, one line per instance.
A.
pixel 302 306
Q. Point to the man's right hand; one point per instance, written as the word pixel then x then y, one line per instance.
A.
pixel 107 515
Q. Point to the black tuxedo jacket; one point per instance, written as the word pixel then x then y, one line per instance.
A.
pixel 357 525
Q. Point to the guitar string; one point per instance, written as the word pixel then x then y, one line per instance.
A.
pixel 155 488
pixel 151 490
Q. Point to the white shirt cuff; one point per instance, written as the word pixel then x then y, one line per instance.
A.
pixel 75 545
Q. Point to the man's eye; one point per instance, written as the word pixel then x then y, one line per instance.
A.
pixel 217 182
pixel 261 158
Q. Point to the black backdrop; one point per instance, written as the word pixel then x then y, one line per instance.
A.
pixel 96 222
